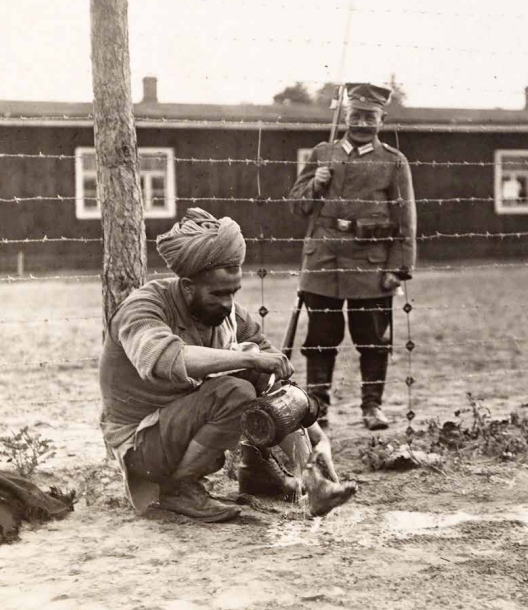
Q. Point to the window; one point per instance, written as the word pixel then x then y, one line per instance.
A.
pixel 156 173
pixel 303 154
pixel 511 181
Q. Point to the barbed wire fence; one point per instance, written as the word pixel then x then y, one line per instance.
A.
pixel 261 239
pixel 266 272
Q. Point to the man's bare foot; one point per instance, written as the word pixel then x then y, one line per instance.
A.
pixel 323 494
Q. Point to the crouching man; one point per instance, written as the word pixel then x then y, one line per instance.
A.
pixel 176 377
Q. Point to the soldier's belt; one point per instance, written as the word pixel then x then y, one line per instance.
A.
pixel 345 226
pixel 363 228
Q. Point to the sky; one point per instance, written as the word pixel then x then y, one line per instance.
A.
pixel 459 53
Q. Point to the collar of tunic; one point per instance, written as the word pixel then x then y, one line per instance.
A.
pixel 348 147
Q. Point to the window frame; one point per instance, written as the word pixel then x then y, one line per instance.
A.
pixel 499 173
pixel 168 211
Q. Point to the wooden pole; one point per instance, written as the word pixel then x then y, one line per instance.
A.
pixel 118 184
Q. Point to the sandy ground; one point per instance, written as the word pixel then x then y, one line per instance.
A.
pixel 420 539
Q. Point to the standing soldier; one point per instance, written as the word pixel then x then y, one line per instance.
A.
pixel 361 244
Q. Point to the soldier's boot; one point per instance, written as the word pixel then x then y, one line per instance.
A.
pixel 191 498
pixel 261 474
pixel 373 374
pixel 319 373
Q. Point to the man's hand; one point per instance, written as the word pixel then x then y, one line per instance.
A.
pixel 390 281
pixel 322 178
pixel 272 362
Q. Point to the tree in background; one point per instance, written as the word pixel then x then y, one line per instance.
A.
pixel 294 94
pixel 324 95
pixel 299 94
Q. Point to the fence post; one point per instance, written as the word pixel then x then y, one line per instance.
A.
pixel 118 184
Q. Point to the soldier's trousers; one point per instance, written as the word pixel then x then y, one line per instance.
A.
pixel 368 322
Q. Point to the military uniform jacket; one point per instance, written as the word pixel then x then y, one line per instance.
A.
pixel 371 181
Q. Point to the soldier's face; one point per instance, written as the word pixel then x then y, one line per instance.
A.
pixel 363 125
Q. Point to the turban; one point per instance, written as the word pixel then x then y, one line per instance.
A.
pixel 200 242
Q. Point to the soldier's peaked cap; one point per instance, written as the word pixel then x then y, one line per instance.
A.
pixel 366 96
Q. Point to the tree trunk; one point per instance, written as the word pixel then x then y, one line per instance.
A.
pixel 118 183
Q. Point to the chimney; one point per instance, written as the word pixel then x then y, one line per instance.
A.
pixel 150 90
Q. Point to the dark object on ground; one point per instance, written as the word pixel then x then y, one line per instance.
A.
pixel 325 495
pixel 406 458
pixel 384 455
pixel 21 500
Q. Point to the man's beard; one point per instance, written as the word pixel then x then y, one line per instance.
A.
pixel 205 315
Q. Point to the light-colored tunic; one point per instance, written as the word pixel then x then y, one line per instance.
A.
pixel 372 181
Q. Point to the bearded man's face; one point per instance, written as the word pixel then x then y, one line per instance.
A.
pixel 211 296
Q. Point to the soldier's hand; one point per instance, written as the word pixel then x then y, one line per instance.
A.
pixel 322 178
pixel 390 281
pixel 272 362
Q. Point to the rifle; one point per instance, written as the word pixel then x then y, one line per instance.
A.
pixel 291 330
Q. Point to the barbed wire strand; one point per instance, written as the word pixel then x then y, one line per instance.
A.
pixel 285 272
pixel 378 45
pixel 251 200
pixel 423 381
pixel 49 320
pixel 435 236
pixel 262 162
pixel 399 11
pixel 439 307
pixel 46 363
pixel 339 347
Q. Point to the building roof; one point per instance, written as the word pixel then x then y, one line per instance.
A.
pixel 273 116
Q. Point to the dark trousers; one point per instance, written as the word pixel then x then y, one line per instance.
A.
pixel 368 322
pixel 210 415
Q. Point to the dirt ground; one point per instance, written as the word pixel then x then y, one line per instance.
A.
pixel 452 538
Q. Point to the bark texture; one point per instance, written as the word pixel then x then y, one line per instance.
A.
pixel 119 189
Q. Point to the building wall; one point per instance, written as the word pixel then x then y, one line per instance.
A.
pixel 23 177
pixel 442 182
